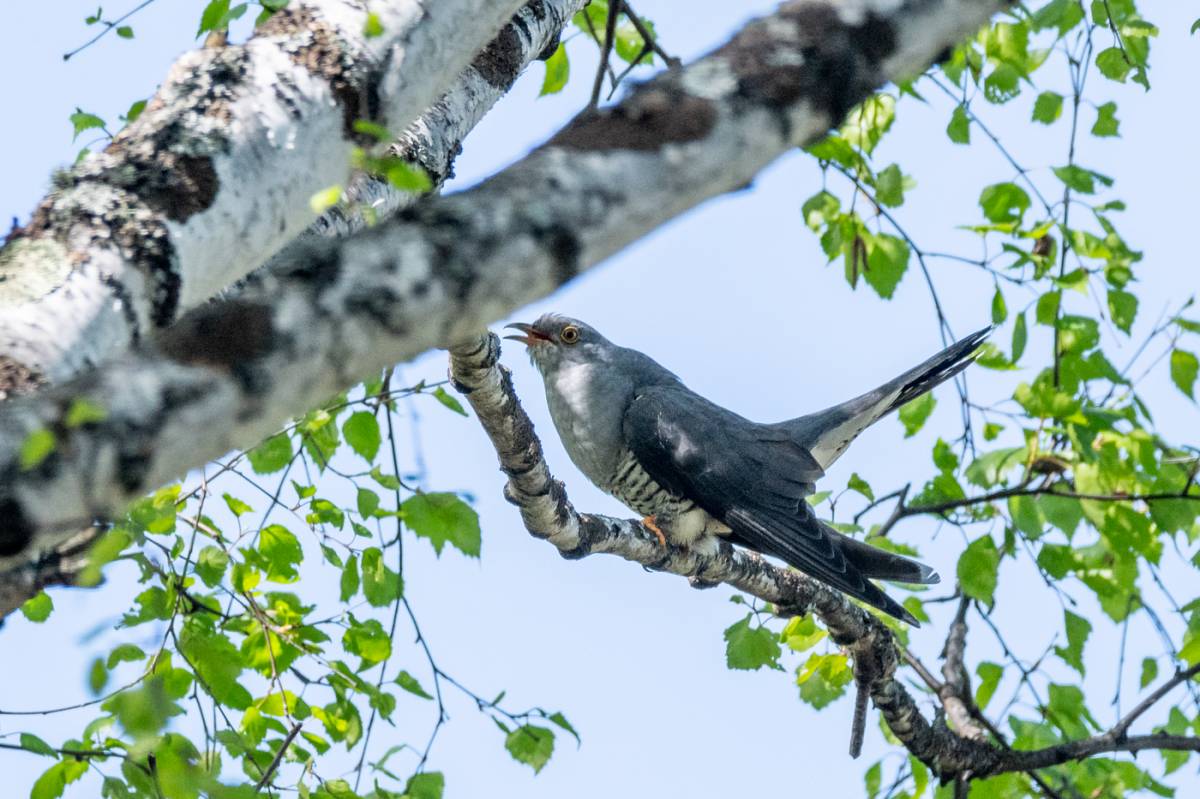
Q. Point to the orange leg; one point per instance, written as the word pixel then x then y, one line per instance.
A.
pixel 649 522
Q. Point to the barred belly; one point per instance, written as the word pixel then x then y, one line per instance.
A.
pixel 681 520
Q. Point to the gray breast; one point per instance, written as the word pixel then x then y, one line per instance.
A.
pixel 587 414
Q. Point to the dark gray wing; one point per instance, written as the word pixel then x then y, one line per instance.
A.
pixel 752 477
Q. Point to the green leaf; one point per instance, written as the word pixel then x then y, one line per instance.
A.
pixel 823 678
pixel 1065 513
pixel 282 552
pixel 1046 311
pixel 36 447
pixel 450 401
pixel 999 307
pixel 388 481
pixel 271 455
pixel 914 414
pixel 1149 672
pixel 531 745
pixel 1107 123
pixel 81 121
pixel 1078 630
pixel 408 177
pixel 379 133
pixel 211 564
pixel 443 518
pixel 1184 367
pixel 349 580
pixel 558 70
pixel 1004 202
pixel 97 676
pixel 373 27
pixel 125 653
pixel 236 506
pixel 362 434
pixel 751 648
pixel 125 32
pixel 561 721
pixel 368 640
pixel 1080 179
pixel 959 129
pixel 367 502
pixel 32 743
pixel 411 684
pixel 1020 337
pixel 989 680
pixel 55 780
pixel 860 485
pixel 1122 307
pixel 218 664
pixel 381 585
pixel 889 187
pixel 1026 515
pixel 802 633
pixel 426 785
pixel 977 569
pixel 1113 64
pixel 83 412
pixel 1048 107
pixel 37 608
pixel 321 201
pixel 887 260
pixel 135 110
pixel 1002 85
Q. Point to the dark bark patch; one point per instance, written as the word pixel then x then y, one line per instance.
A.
pixel 145 242
pixel 564 247
pixel 121 295
pixel 654 115
pixel 501 61
pixel 15 527
pixel 178 186
pixel 355 87
pixel 807 52
pixel 224 335
pixel 17 379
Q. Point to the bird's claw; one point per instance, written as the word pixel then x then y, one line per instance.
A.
pixel 650 523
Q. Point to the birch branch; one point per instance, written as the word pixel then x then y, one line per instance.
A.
pixel 217 172
pixel 229 373
pixel 430 143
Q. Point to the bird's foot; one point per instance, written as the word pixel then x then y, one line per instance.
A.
pixel 650 523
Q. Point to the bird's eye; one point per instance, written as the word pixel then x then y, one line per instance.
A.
pixel 569 334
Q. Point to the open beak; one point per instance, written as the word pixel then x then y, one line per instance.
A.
pixel 532 335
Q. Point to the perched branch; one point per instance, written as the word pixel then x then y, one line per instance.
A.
pixel 549 515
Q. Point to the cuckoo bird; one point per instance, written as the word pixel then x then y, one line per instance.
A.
pixel 695 470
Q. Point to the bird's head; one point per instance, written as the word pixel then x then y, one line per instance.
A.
pixel 554 341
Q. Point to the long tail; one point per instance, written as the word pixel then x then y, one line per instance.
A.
pixel 827 434
pixel 882 565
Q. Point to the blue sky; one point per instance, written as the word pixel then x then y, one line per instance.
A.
pixel 736 299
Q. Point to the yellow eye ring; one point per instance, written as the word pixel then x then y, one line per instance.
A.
pixel 569 334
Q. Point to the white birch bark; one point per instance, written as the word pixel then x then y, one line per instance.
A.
pixel 231 372
pixel 216 174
